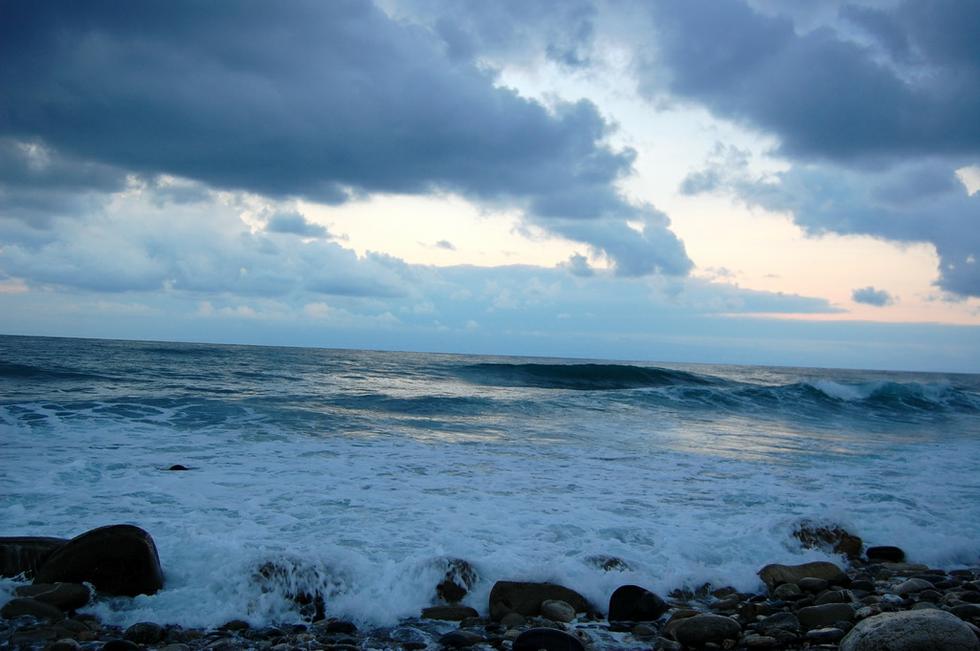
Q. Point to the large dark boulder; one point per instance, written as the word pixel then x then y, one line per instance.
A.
pixel 525 598
pixel 549 639
pixel 631 603
pixel 24 554
pixel 118 560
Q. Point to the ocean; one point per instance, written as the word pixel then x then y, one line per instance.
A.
pixel 364 471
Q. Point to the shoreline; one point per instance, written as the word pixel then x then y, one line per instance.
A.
pixel 817 605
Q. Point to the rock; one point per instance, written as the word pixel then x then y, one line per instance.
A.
pixel 178 467
pixel 120 645
pixel 408 637
pixel 759 642
pixel 834 597
pixel 631 603
pixel 449 613
pixel 26 606
pixel 703 629
pixel 966 611
pixel 235 625
pixel 66 596
pixel 557 610
pixel 775 574
pixel 298 581
pixel 460 639
pixel 460 577
pixel 548 639
pixel 787 592
pixel 118 560
pixel 144 633
pixel 829 538
pixel 813 584
pixel 663 644
pixel 526 598
pixel 782 621
pixel 885 554
pixel 24 554
pixel 608 563
pixel 911 586
pixel 513 620
pixel 64 644
pixel 825 615
pixel 825 635
pixel 914 630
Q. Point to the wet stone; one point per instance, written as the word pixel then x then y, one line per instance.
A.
pixel 64 644
pixel 65 596
pixel 548 639
pixel 449 613
pixel 144 633
pixel 120 645
pixel 829 634
pixel 753 641
pixel 235 625
pixel 825 615
pixel 834 597
pixel 460 639
pixel 790 591
pixel 557 610
pixel 813 584
pixel 911 586
pixel 26 606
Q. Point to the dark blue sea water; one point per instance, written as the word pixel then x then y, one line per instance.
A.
pixel 362 469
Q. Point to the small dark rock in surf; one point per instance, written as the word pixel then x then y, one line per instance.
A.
pixel 178 466
pixel 631 603
pixel 456 583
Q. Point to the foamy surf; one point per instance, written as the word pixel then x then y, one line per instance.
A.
pixel 362 472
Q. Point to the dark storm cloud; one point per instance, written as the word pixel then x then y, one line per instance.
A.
pixel 511 29
pixel 872 296
pixel 321 100
pixel 37 185
pixel 911 86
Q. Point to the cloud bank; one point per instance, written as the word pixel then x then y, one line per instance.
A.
pixel 325 101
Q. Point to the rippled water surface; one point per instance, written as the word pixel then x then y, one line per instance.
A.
pixel 362 469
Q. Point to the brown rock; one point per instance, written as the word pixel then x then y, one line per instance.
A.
pixel 830 538
pixel 775 574
pixel 525 598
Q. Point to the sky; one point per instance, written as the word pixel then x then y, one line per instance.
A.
pixel 745 181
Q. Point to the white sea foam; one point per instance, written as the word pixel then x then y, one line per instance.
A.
pixel 367 516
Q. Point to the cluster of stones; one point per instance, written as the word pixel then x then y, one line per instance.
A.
pixel 876 602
